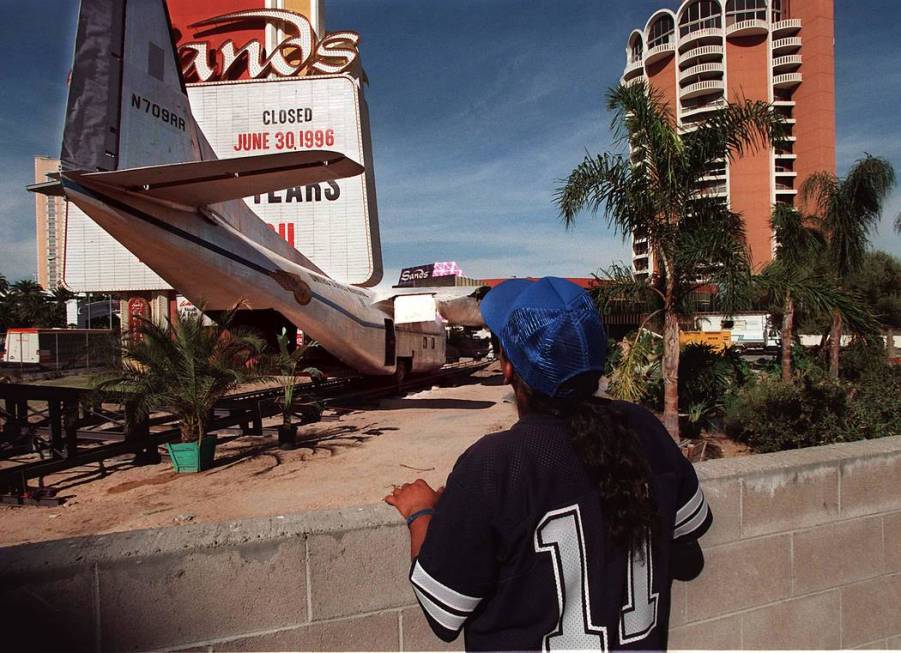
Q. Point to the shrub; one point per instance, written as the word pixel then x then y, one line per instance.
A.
pixel 863 358
pixel 875 410
pixel 707 379
pixel 771 415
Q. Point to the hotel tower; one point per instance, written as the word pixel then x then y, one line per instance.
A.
pixel 707 52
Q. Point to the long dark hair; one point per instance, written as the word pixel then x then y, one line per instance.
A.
pixel 611 452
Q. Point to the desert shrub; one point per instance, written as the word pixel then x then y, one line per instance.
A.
pixel 863 358
pixel 875 410
pixel 771 415
pixel 707 379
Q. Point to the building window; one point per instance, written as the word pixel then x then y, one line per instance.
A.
pixel 702 14
pixel 425 342
pixel 661 32
pixel 636 51
pixel 780 9
pixel 741 10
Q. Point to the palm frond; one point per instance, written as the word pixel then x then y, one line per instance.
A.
pixel 618 291
pixel 798 239
pixel 731 132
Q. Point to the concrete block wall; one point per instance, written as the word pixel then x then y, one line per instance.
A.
pixel 805 552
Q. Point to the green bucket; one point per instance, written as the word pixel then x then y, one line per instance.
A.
pixel 189 457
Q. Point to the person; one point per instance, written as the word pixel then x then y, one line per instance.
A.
pixel 565 531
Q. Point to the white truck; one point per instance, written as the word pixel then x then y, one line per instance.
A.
pixel 750 331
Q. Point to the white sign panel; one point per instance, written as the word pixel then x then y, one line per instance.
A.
pixel 335 223
pixel 414 308
pixel 97 262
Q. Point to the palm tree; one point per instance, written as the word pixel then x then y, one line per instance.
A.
pixel 795 279
pixel 850 209
pixel 285 365
pixel 28 304
pixel 694 238
pixel 185 367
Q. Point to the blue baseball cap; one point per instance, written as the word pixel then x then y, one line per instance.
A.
pixel 550 331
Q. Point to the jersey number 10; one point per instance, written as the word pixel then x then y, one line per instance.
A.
pixel 560 534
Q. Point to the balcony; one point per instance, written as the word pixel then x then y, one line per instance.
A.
pixel 783 46
pixel 784 189
pixel 659 52
pixel 752 27
pixel 705 51
pixel 700 35
pixel 703 69
pixel 632 68
pixel 786 62
pixel 782 27
pixel 788 80
pixel 641 79
pixel 697 38
pixel 713 191
pixel 786 155
pixel 708 86
pixel 694 108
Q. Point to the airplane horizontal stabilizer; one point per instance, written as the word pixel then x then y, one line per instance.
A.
pixel 199 183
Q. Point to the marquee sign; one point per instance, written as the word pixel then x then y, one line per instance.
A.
pixel 299 52
pixel 334 223
pixel 409 276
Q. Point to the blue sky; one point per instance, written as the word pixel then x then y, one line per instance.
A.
pixel 478 108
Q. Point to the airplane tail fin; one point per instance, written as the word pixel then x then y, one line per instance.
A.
pixel 127 104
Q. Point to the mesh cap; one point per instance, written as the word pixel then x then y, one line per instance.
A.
pixel 550 330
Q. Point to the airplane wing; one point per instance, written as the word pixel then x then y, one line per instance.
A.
pixel 199 183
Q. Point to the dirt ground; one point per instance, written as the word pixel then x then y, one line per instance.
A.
pixel 350 458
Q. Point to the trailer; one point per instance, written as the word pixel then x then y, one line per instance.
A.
pixel 748 331
pixel 58 348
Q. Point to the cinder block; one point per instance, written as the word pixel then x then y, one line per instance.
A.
pixel 360 571
pixel 870 610
pixel 375 632
pixel 789 500
pixel 722 634
pixel 893 643
pixel 50 610
pixel 892 530
pixel 740 575
pixel 870 485
pixel 171 600
pixel 418 635
pixel 677 603
pixel 809 622
pixel 837 554
pixel 724 498
pixel 879 645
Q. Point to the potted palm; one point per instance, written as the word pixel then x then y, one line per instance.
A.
pixel 285 365
pixel 185 366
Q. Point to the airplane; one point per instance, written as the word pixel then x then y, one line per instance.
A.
pixel 135 160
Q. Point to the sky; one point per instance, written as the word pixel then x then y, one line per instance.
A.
pixel 478 109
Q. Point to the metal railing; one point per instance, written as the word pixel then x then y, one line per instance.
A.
pixel 742 25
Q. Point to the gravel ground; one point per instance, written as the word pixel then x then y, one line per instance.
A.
pixel 352 458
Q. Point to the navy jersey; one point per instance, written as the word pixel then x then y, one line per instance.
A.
pixel 516 554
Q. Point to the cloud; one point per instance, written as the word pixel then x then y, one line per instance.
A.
pixel 17 259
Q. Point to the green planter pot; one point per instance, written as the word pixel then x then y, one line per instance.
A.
pixel 191 457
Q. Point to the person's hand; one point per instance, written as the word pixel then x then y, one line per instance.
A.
pixel 413 497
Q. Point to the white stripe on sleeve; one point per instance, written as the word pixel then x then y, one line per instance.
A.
pixel 690 506
pixel 451 598
pixel 450 621
pixel 693 523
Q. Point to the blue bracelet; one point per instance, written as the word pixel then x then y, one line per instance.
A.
pixel 419 513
